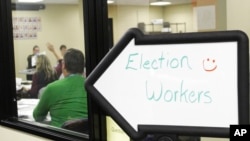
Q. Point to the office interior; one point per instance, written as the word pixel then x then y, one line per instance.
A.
pixel 69 24
pixel 63 24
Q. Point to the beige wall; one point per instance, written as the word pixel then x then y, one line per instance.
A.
pixel 125 17
pixel 221 14
pixel 180 14
pixel 237 15
pixel 60 24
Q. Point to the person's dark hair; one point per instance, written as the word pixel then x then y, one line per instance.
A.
pixel 63 46
pixel 35 46
pixel 74 61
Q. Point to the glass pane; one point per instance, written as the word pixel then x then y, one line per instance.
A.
pixel 150 19
pixel 176 17
pixel 37 25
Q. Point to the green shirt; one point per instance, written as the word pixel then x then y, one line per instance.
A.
pixel 63 99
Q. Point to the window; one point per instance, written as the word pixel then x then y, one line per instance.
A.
pixel 177 17
pixel 36 24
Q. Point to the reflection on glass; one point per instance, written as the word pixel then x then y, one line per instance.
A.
pixel 37 24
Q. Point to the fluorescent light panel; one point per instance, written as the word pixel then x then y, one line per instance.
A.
pixel 160 3
pixel 30 1
pixel 110 1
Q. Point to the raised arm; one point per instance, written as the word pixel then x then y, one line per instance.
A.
pixel 58 67
pixel 51 49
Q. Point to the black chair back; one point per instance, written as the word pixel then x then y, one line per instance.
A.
pixel 78 125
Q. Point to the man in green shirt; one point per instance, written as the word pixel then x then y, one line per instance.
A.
pixel 65 99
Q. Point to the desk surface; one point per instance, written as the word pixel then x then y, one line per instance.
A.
pixel 23 84
pixel 27 71
pixel 25 113
pixel 26 107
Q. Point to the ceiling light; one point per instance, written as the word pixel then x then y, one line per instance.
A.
pixel 30 1
pixel 160 3
pixel 110 1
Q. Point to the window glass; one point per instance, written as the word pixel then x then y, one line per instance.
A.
pixel 62 24
pixel 37 25
pixel 150 19
pixel 178 16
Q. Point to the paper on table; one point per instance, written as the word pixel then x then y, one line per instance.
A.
pixel 28 101
pixel 22 106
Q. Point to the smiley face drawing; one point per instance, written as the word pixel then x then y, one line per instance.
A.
pixel 209 64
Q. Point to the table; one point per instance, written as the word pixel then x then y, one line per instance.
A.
pixel 25 114
pixel 25 109
pixel 23 84
pixel 27 71
pixel 26 84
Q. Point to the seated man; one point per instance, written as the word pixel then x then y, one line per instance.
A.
pixel 65 99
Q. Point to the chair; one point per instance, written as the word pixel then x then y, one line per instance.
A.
pixel 78 125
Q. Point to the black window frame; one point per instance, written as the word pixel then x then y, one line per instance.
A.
pixel 96 46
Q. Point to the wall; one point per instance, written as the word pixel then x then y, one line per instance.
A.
pixel 128 16
pixel 180 14
pixel 60 24
pixel 125 17
pixel 221 14
pixel 238 18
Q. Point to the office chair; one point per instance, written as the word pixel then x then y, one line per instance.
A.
pixel 78 125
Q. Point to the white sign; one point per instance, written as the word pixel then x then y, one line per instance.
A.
pixel 189 82
pixel 178 84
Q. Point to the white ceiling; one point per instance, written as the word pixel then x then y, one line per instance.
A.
pixel 119 2
pixel 55 1
pixel 146 2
